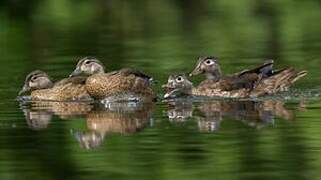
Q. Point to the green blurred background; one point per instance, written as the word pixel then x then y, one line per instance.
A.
pixel 159 38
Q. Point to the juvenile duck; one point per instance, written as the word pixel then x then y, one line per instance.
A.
pixel 244 79
pixel 179 85
pixel 279 81
pixel 40 86
pixel 123 85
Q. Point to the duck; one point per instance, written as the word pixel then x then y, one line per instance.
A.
pixel 281 80
pixel 123 85
pixel 248 78
pixel 179 85
pixel 209 65
pixel 40 87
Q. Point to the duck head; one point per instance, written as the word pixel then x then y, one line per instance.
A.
pixel 88 66
pixel 208 66
pixel 36 80
pixel 177 85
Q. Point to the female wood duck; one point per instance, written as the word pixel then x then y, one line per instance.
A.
pixel 42 88
pixel 279 81
pixel 123 85
pixel 210 67
pixel 244 79
pixel 247 79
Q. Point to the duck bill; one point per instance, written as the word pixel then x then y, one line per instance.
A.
pixel 24 89
pixel 76 72
pixel 171 93
pixel 196 71
pixel 165 86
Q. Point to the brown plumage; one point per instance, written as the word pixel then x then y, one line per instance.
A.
pixel 104 85
pixel 255 82
pixel 41 87
pixel 279 81
pixel 180 85
pixel 244 79
pixel 125 83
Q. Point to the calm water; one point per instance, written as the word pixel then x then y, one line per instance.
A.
pixel 274 137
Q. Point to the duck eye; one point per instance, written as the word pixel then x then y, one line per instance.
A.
pixel 179 79
pixel 209 62
pixel 34 78
pixel 87 62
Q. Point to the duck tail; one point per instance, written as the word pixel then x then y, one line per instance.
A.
pixel 288 78
pixel 282 80
pixel 299 75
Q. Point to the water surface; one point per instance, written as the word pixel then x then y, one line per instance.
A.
pixel 273 137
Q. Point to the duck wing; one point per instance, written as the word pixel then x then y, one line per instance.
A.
pixel 119 82
pixel 265 69
pixel 246 81
pixel 76 80
pixel 247 78
pixel 129 71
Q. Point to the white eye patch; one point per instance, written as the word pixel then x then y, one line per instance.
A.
pixel 34 78
pixel 179 79
pixel 209 62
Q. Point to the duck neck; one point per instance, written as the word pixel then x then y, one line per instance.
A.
pixel 50 85
pixel 215 75
pixel 99 70
pixel 188 90
pixel 45 85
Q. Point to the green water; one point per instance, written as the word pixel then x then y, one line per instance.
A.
pixel 276 137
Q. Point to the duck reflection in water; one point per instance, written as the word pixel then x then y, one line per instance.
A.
pixel 210 114
pixel 88 139
pixel 37 119
pixel 179 111
pixel 38 114
pixel 122 118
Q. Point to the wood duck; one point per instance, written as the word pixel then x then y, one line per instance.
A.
pixel 179 85
pixel 248 79
pixel 209 65
pixel 244 79
pixel 40 86
pixel 123 85
pixel 279 81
